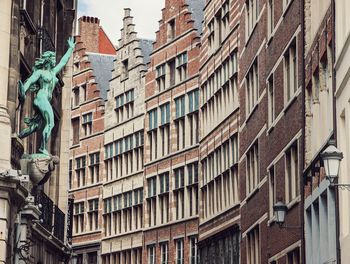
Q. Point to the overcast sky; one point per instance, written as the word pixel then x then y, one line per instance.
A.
pixel 146 15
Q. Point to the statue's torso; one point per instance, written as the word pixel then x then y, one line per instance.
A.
pixel 48 82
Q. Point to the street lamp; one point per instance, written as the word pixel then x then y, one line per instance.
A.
pixel 331 159
pixel 280 210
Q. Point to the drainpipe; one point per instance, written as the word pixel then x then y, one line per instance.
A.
pixel 337 221
pixel 303 88
pixel 5 125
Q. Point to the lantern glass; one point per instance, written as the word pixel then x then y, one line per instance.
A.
pixel 331 160
pixel 280 212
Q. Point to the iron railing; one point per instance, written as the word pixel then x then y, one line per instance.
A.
pixel 58 228
pixel 52 218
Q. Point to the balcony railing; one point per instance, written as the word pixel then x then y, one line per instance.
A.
pixel 52 218
pixel 58 229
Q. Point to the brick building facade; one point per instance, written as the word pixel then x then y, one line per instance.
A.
pixel 92 64
pixel 123 191
pixel 171 137
pixel 219 229
pixel 270 136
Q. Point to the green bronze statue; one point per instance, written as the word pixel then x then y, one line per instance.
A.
pixel 42 82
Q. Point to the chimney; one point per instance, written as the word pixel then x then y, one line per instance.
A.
pixel 89 28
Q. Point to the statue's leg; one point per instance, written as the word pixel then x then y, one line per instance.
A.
pixel 28 130
pixel 47 113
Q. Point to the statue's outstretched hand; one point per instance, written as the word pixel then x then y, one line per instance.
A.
pixel 71 42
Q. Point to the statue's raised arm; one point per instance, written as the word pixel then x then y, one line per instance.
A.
pixel 66 56
pixel 42 83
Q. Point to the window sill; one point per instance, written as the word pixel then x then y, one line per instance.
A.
pixel 291 101
pixel 293 203
pixel 271 221
pixel 87 233
pixel 87 186
pixel 252 193
pixel 251 113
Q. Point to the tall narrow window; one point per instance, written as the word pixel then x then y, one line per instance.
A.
pixel 152 254
pixel 171 30
pixel 272 190
pixel 271 100
pixel 270 18
pixel 252 88
pixel 76 130
pixel 172 73
pixel 125 69
pixel 181 67
pixel 292 172
pixel 164 253
pixel 290 72
pixel 252 161
pixel 179 251
pixel 160 77
pixel 87 124
pixel 253 246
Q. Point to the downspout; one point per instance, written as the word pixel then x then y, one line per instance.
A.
pixel 302 182
pixel 337 224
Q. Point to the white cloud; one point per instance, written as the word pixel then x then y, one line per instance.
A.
pixel 146 15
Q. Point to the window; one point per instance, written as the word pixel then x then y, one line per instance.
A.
pixel 119 100
pixel 152 186
pixel 252 88
pixel 211 35
pixel 70 169
pixel 180 106
pixel 179 251
pixel 94 167
pixel 125 69
pixel 93 214
pixel 76 131
pixel 164 182
pixel 192 188
pixel 290 72
pixel 152 134
pixel 193 250
pixel 153 122
pixel 172 73
pixel 252 14
pixel 192 173
pixel 80 170
pixel 92 258
pixel 179 178
pixel 294 257
pixel 87 124
pixel 79 217
pixel 252 160
pixel 253 246
pixel 271 100
pixel 76 95
pixel 171 30
pixel 292 172
pixel 84 91
pixel 181 67
pixel 160 77
pixel 272 190
pixel 225 20
pixel 270 17
pixel 151 254
pixel 165 114
pixel 193 101
pixel 164 197
pixel 164 253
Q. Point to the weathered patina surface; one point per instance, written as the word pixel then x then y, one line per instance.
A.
pixel 42 82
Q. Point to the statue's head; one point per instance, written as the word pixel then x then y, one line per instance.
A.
pixel 48 58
